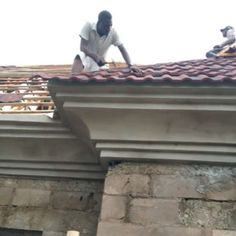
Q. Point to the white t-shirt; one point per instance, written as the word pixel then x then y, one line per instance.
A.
pixel 97 44
pixel 230 33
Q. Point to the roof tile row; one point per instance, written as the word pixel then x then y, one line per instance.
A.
pixel 213 70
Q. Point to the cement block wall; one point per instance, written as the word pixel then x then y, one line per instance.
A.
pixel 52 206
pixel 169 200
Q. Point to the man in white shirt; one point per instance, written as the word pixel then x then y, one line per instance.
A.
pixel 95 42
pixel 227 32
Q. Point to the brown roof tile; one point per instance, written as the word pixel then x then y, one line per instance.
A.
pixel 205 70
pixel 9 97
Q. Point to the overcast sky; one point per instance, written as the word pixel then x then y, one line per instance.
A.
pixel 37 32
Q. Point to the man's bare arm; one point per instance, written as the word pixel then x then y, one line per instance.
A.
pixel 125 54
pixel 228 42
pixel 126 57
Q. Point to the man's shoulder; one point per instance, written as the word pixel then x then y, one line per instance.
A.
pixel 113 31
pixel 90 25
pixel 230 33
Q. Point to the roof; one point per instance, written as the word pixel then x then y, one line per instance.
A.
pixel 22 86
pixel 204 70
pixel 22 91
pixel 132 118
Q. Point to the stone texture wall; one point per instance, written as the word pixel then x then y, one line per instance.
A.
pixel 51 206
pixel 169 200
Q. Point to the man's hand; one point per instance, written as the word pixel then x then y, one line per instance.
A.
pixel 100 61
pixel 217 47
pixel 135 69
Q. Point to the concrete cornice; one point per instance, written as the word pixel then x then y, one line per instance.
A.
pixel 183 122
pixel 36 145
pixel 33 126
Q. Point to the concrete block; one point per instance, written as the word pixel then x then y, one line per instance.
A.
pixel 76 201
pixel 60 220
pixel 23 218
pixel 208 214
pixel 174 231
pixel 154 211
pixel 5 196
pixel 51 233
pixel 176 186
pixel 31 197
pixel 223 195
pixel 113 207
pixel 223 233
pixel 135 185
pixel 29 218
pixel 224 189
pixel 118 229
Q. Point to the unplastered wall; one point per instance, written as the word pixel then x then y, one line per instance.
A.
pixel 52 206
pixel 169 200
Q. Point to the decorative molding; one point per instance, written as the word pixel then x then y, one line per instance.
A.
pixel 152 123
pixel 38 146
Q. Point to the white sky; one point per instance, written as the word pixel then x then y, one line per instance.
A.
pixel 37 32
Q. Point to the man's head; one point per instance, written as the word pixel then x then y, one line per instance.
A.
pixel 225 30
pixel 104 23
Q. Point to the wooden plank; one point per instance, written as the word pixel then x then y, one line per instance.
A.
pixel 21 86
pixel 224 52
pixel 43 92
pixel 26 103
pixel 37 98
pixel 26 112
pixel 21 82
